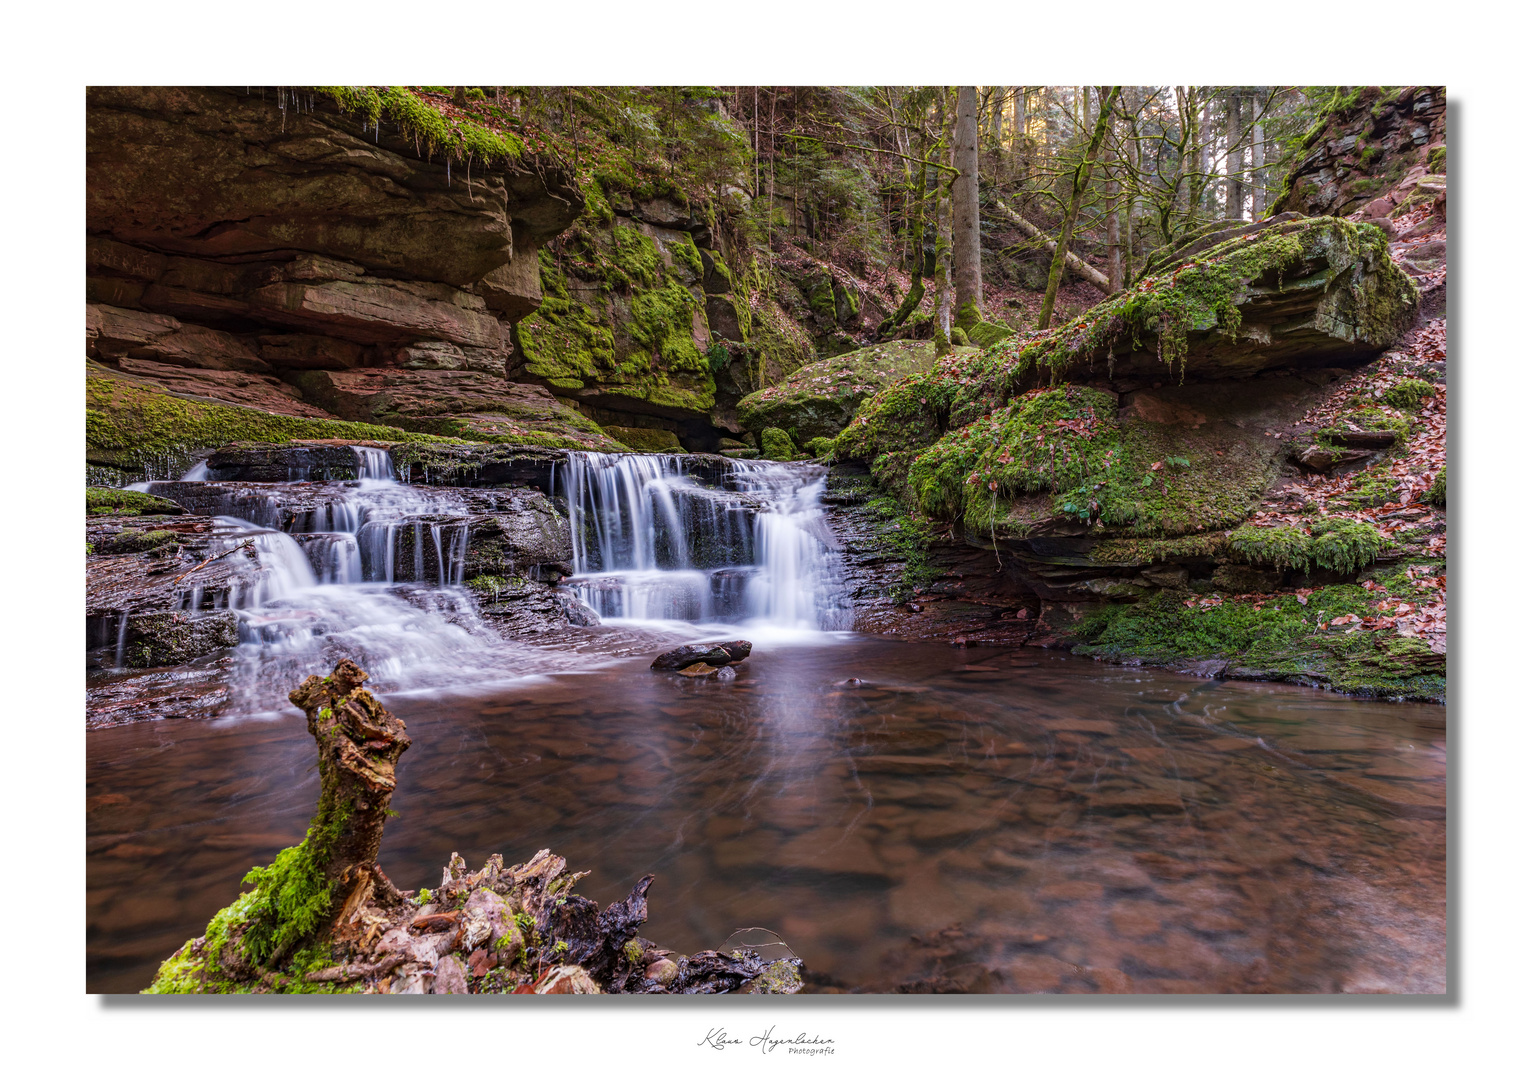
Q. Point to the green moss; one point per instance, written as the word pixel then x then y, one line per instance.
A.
pixel 1437 162
pixel 130 541
pixel 634 952
pixel 635 262
pixel 1408 394
pixel 1344 546
pixel 985 334
pixel 646 440
pixel 1281 639
pixel 910 537
pixel 266 925
pixel 122 502
pixel 1203 297
pixel 564 341
pixel 1336 544
pixel 662 322
pixel 487 586
pixel 1284 546
pixel 776 445
pixel 685 252
pixel 132 427
pixel 460 139
pixel 1141 552
pixel 819 447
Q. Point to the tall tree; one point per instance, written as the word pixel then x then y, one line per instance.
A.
pixel 942 280
pixel 968 284
pixel 1080 183
pixel 1257 162
pixel 1235 158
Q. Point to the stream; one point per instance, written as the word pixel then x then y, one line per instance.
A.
pixel 905 816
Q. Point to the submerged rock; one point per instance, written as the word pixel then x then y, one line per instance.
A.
pixel 710 657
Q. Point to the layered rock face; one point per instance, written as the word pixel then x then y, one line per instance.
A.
pixel 264 250
pixel 1365 147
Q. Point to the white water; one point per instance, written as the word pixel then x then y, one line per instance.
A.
pixel 651 544
pixel 315 597
pixel 372 569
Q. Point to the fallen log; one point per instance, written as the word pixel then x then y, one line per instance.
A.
pixel 1076 264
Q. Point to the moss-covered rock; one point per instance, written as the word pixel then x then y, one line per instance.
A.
pixel 776 445
pixel 624 325
pixel 649 440
pixel 820 399
pixel 985 334
pixel 1279 638
pixel 100 500
pixel 1312 292
pixel 135 541
pixel 134 427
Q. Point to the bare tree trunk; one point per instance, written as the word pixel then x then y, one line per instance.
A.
pixel 1113 241
pixel 1234 162
pixel 1076 196
pixel 967 279
pixel 1206 152
pixel 1257 171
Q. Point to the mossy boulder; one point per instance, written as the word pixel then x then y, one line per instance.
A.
pixel 776 445
pixel 121 502
pixel 820 399
pixel 1313 292
pixel 985 334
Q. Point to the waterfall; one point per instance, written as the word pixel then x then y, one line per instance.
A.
pixel 329 574
pixel 372 569
pixel 652 543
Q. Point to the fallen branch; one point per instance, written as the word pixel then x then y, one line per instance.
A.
pixel 215 558
pixel 1074 262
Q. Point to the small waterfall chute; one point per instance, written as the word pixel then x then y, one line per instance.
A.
pixel 652 543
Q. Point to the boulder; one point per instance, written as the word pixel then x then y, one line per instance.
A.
pixel 820 399
pixel 712 656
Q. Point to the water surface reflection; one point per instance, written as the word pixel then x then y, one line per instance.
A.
pixel 978 820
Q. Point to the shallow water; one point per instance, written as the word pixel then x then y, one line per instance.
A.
pixel 1038 822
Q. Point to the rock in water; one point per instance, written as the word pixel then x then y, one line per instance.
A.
pixel 714 655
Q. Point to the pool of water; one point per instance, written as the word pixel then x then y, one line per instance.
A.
pixel 904 816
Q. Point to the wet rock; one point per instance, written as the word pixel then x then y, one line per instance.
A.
pixel 662 971
pixel 710 656
pixel 276 464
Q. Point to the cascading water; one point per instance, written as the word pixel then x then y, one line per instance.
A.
pixel 372 569
pixel 651 543
pixel 369 569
